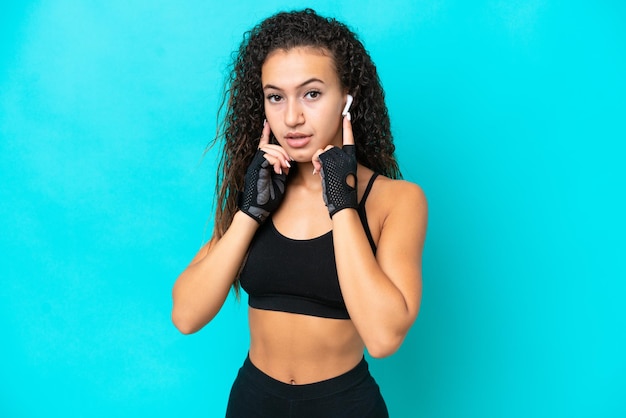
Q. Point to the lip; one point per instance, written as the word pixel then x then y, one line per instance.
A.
pixel 297 139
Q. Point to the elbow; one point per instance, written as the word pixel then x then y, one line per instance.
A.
pixel 385 340
pixel 184 317
pixel 384 346
pixel 183 323
pixel 185 329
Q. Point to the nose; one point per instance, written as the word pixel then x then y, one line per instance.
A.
pixel 293 114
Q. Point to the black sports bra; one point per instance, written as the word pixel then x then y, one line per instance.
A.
pixel 297 276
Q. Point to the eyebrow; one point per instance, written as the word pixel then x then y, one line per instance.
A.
pixel 309 81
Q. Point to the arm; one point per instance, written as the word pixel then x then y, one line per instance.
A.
pixel 383 292
pixel 202 288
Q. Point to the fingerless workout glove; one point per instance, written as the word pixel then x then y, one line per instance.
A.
pixel 337 165
pixel 263 189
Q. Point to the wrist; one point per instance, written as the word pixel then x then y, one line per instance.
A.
pixel 245 218
pixel 344 213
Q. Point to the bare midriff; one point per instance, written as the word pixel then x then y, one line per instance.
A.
pixel 301 349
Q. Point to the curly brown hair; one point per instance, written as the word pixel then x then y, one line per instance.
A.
pixel 243 102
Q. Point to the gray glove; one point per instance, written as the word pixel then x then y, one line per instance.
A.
pixel 263 189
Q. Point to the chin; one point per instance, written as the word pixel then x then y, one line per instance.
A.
pixel 301 156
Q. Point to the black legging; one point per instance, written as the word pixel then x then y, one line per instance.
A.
pixel 354 394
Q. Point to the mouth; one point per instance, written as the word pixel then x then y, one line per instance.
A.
pixel 297 139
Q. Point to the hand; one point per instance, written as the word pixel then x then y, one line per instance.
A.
pixel 337 168
pixel 264 184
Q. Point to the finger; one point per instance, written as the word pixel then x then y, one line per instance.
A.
pixel 317 164
pixel 276 150
pixel 265 136
pixel 348 137
pixel 274 162
pixel 278 153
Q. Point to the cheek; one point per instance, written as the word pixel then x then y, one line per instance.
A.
pixel 273 119
pixel 331 121
pixel 327 116
pixel 269 114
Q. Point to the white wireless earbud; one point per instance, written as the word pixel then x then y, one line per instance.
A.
pixel 349 100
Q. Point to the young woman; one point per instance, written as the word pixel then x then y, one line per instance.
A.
pixel 311 222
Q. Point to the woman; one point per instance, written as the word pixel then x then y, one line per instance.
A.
pixel 311 221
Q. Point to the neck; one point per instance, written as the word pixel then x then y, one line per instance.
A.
pixel 305 177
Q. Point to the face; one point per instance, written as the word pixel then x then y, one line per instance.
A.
pixel 303 100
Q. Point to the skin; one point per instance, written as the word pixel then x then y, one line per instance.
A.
pixel 303 103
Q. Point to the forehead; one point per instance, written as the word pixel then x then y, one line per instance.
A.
pixel 293 66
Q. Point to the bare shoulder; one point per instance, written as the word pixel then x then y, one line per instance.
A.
pixel 400 215
pixel 399 196
pixel 397 212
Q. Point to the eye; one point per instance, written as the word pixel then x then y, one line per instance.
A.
pixel 273 98
pixel 313 94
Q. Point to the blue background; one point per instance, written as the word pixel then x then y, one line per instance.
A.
pixel 510 114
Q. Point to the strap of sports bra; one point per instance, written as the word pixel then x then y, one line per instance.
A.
pixel 370 183
pixel 363 215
